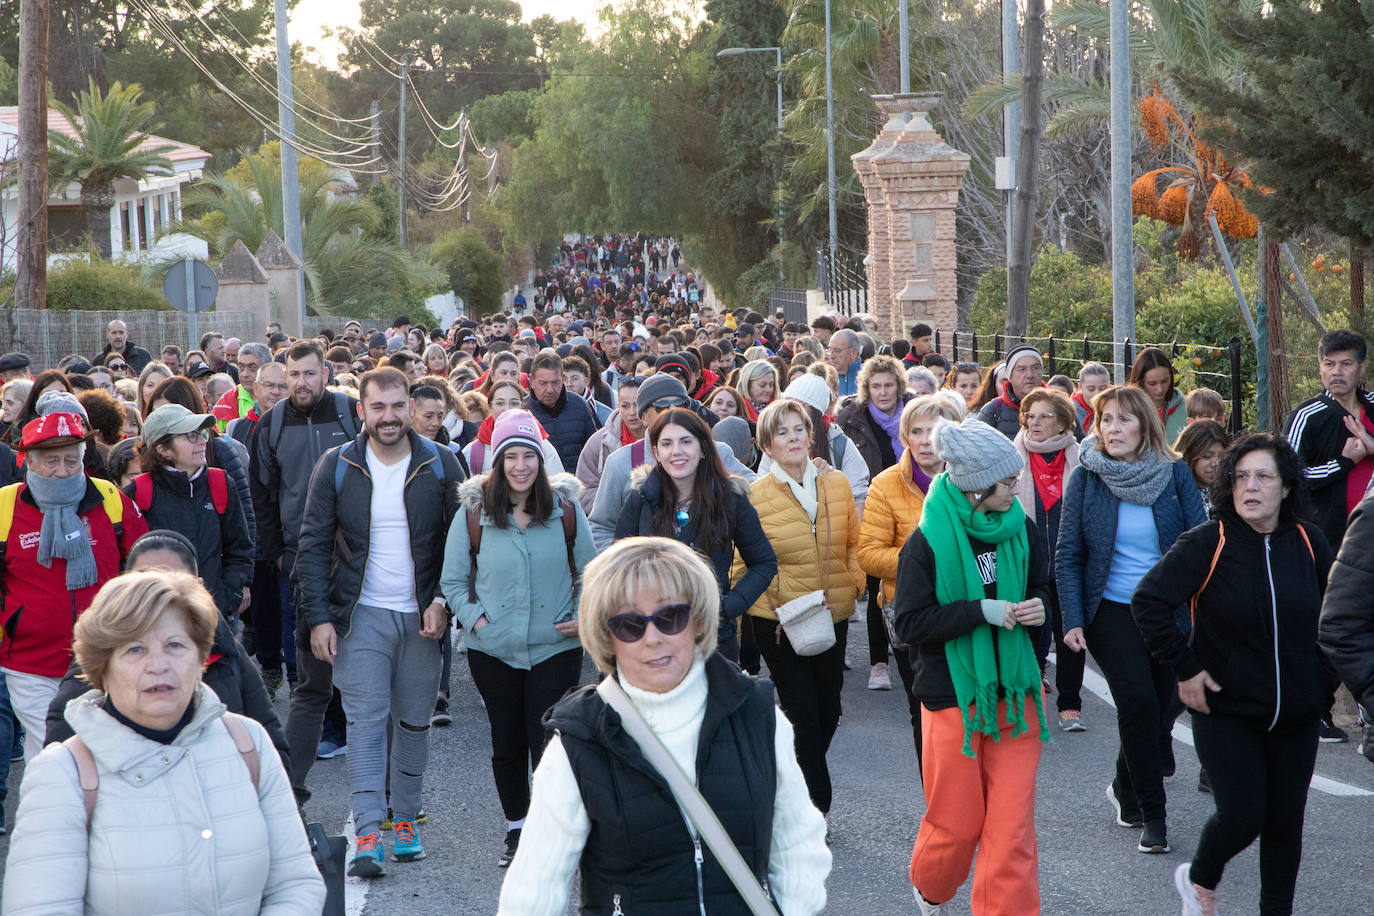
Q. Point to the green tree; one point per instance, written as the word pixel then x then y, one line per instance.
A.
pixel 110 142
pixel 476 273
pixel 507 117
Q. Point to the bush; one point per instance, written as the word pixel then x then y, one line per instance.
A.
pixel 102 285
pixel 477 273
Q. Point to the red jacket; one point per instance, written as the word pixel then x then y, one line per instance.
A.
pixel 39 612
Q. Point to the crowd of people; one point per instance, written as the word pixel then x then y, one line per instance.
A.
pixel 699 502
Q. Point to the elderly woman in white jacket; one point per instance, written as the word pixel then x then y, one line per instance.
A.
pixel 191 811
pixel 648 619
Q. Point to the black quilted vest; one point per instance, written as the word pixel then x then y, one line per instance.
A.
pixel 639 857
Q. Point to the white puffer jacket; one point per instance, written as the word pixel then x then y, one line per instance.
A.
pixel 176 829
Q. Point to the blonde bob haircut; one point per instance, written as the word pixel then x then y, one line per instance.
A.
pixel 128 606
pixel 754 370
pixel 639 564
pixel 771 421
pixel 945 403
pixel 1137 403
pixel 879 365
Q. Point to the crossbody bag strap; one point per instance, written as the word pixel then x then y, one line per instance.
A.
pixel 698 809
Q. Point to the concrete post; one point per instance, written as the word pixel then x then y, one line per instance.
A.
pixel 284 279
pixel 244 287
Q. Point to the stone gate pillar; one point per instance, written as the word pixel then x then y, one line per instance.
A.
pixel 911 180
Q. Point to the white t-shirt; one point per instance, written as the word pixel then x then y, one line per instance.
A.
pixel 389 579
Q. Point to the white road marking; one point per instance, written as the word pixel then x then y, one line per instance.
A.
pixel 355 889
pixel 1097 684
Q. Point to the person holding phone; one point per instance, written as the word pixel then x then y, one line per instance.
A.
pixel 511 570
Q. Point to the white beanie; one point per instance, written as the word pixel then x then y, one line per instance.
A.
pixel 811 390
pixel 975 454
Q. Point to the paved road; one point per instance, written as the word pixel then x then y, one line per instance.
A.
pixel 1087 864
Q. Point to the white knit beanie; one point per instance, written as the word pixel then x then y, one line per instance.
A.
pixel 976 455
pixel 811 390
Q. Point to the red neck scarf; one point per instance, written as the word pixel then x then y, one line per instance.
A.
pixel 627 437
pixel 1009 398
pixel 1083 402
pixel 1049 477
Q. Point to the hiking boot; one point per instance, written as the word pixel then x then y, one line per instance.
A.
pixel 1154 839
pixel 407 846
pixel 1197 900
pixel 273 681
pixel 368 861
pixel 1330 733
pixel 1069 721
pixel 1124 818
pixel 879 678
pixel 512 844
pixel 441 714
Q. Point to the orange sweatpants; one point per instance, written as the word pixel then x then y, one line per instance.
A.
pixel 983 804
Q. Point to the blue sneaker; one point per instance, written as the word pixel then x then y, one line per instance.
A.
pixel 328 750
pixel 407 846
pixel 368 861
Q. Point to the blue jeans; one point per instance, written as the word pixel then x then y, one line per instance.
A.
pixel 8 726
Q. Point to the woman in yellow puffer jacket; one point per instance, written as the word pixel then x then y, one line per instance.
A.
pixel 893 510
pixel 810 519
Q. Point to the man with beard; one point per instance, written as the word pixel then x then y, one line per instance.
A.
pixel 368 568
pixel 290 440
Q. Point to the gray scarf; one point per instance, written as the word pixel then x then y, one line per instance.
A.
pixel 1136 482
pixel 63 534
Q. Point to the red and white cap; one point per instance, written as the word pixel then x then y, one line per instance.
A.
pixel 54 431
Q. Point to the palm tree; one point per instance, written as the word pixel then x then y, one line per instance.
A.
pixel 110 141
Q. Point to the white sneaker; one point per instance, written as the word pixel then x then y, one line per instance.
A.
pixel 879 678
pixel 1197 901
pixel 460 647
pixel 928 908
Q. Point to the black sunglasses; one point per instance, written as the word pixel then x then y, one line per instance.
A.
pixel 631 627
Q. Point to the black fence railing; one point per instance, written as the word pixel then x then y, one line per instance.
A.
pixel 1213 366
pixel 791 301
pixel 843 280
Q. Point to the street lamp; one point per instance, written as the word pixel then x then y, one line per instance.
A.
pixel 736 52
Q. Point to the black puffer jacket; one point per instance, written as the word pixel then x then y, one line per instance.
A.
pixel 233 676
pixel 639 857
pixel 224 550
pixel 337 532
pixel 570 423
pixel 1255 625
pixel 1347 619
pixel 1003 413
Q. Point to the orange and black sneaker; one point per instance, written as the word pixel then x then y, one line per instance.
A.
pixel 407 846
pixel 367 863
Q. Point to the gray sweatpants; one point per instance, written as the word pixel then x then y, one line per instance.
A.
pixel 386 669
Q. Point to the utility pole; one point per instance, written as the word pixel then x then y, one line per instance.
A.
pixel 1123 247
pixel 374 118
pixel 31 284
pixel 904 56
pixel 290 179
pixel 1011 115
pixel 401 157
pixel 830 149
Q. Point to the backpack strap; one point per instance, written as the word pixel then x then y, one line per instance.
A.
pixel 637 453
pixel 1308 541
pixel 8 497
pixel 143 492
pixel 244 742
pixel 348 419
pixel 219 489
pixel 474 546
pixel 86 773
pixel 433 448
pixel 478 451
pixel 570 541
pixel 340 468
pixel 1216 555
pixel 276 420
pixel 113 502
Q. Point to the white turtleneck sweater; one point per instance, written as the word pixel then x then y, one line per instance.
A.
pixel 557 826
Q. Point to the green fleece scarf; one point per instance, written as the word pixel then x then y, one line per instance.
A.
pixel 977 671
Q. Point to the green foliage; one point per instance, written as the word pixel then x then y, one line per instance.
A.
pixel 1067 296
pixel 9 84
pixel 477 273
pixel 108 128
pixel 81 285
pixel 507 117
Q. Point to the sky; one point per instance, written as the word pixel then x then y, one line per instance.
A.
pixel 310 18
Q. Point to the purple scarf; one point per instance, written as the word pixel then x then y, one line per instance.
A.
pixel 920 478
pixel 891 425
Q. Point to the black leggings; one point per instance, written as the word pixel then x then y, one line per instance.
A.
pixel 516 701
pixel 1259 781
pixel 908 676
pixel 809 693
pixel 877 629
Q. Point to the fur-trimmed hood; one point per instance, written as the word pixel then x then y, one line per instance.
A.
pixel 640 475
pixel 566 488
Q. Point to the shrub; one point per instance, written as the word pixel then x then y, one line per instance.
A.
pixel 94 285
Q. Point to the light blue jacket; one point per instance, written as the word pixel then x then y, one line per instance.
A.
pixel 523 583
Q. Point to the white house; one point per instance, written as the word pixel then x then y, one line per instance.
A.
pixel 141 210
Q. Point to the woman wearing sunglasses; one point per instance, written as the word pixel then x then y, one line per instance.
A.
pixel 515 593
pixel 812 522
pixel 688 496
pixel 178 492
pixel 648 617
pixel 971 580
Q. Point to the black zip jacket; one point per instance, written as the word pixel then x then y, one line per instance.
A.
pixel 1255 625
pixel 926 625
pixel 1316 430
pixel 1347 621
pixel 224 551
pixel 337 530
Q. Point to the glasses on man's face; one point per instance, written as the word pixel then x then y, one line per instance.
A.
pixel 270 386
pixel 196 436
pixel 670 621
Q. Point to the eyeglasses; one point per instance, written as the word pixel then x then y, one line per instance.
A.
pixel 116 367
pixel 665 403
pixel 1038 417
pixel 670 621
pixel 197 435
pixel 271 386
pixel 1263 478
pixel 1009 483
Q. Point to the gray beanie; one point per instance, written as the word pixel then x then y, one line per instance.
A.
pixel 734 432
pixel 976 455
pixel 661 387
pixel 60 402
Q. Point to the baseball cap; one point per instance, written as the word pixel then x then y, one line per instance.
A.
pixel 173 420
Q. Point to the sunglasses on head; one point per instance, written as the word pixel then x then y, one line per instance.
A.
pixel 670 621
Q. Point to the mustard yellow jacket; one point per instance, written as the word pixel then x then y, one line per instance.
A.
pixel 809 557
pixel 892 512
